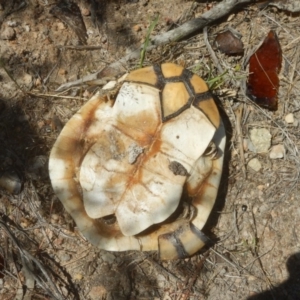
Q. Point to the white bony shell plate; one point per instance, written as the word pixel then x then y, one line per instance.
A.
pixel 121 165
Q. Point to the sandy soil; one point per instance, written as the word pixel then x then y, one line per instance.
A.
pixel 255 224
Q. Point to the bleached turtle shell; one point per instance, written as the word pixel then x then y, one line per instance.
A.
pixel 128 169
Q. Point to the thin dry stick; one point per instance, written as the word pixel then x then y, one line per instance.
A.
pixel 294 146
pixel 186 30
pixel 238 116
pixel 82 48
pixel 291 44
pixel 190 281
pixel 161 269
pixel 211 51
pixel 227 260
pixel 28 260
pixel 255 253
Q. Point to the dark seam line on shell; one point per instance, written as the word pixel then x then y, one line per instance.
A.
pixel 138 166
pixel 113 171
pixel 161 107
pixel 208 118
pixel 179 246
pixel 200 189
pixel 176 243
pixel 176 113
pixel 185 78
pixel 187 75
pixel 160 84
pixel 145 83
pixel 202 97
pixel 146 187
pixel 128 135
pixel 200 234
pixel 159 174
pixel 175 158
pixel 174 79
pixel 84 152
pixel 156 173
pixel 160 81
pixel 132 128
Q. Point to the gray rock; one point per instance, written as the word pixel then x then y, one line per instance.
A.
pixel 254 164
pixel 261 139
pixel 7 33
pixel 11 182
pixel 277 152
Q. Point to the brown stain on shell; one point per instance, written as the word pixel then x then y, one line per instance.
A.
pixel 74 141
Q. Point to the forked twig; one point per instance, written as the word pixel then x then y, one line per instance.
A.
pixel 186 30
pixel 211 51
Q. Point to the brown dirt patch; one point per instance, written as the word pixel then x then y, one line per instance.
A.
pixel 256 221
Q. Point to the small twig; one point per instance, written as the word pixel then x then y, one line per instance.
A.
pixel 50 73
pixel 211 51
pixel 224 258
pixel 186 30
pixel 191 281
pixel 53 96
pixel 259 256
pixel 81 48
pixel 78 258
pixel 27 260
pixel 238 117
pixel 160 267
pixel 291 44
pixel 235 222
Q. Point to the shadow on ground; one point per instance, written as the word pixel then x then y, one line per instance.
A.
pixel 289 289
pixel 223 187
pixel 23 165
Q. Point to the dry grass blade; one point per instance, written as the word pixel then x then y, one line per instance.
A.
pixel 191 281
pixel 211 51
pixel 146 43
pixel 187 29
pixel 256 218
pixel 28 261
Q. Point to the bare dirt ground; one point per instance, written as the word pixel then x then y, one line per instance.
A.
pixel 255 224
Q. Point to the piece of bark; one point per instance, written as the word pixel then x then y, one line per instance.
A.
pixel 186 30
pixel 264 67
pixel 228 43
pixel 289 5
